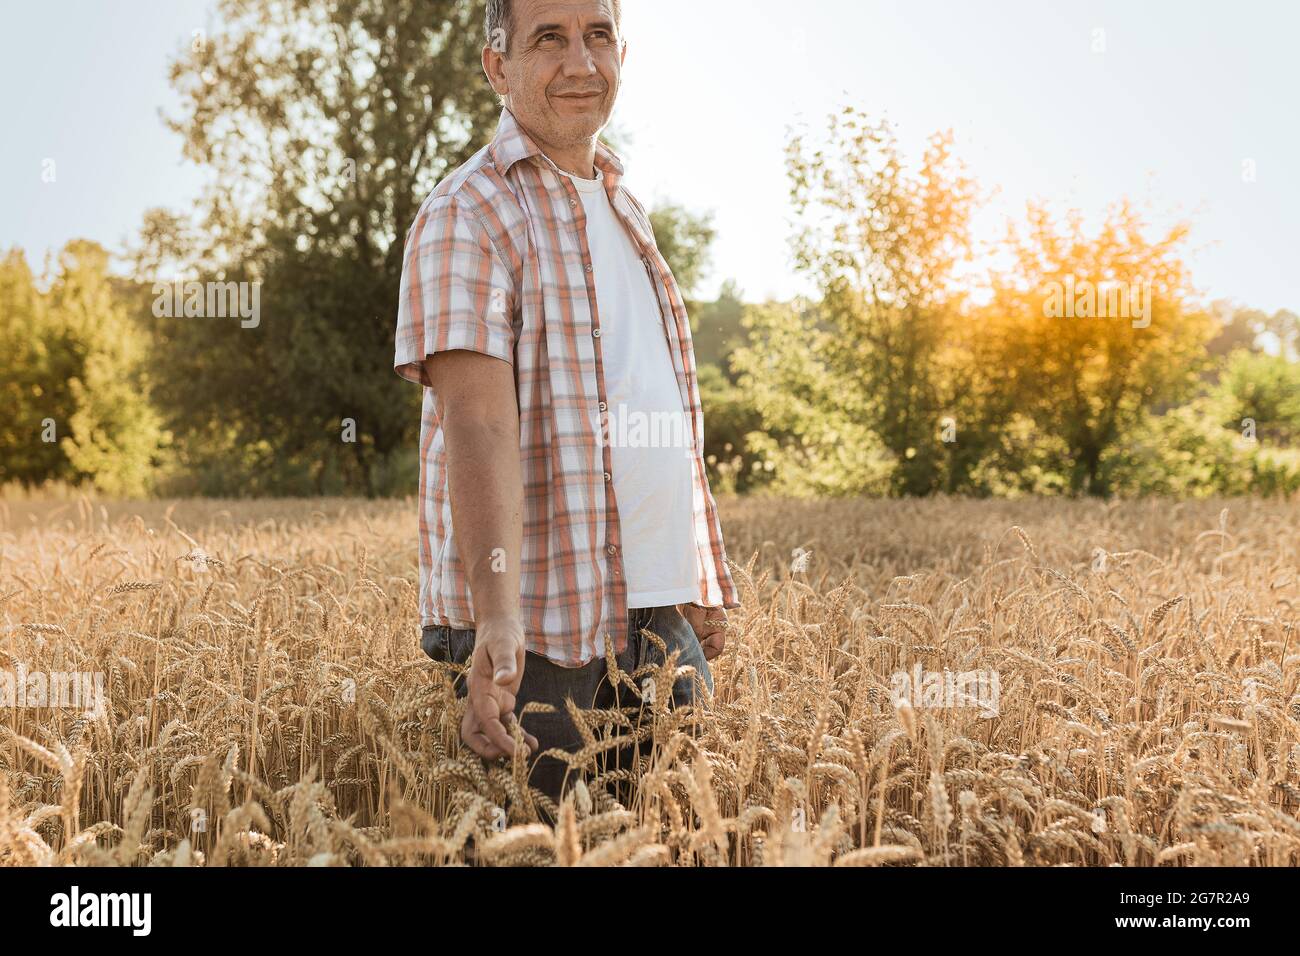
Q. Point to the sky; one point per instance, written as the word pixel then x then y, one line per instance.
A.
pixel 1188 108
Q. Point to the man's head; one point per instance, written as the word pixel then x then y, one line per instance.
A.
pixel 556 64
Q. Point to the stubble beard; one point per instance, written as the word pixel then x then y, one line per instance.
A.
pixel 561 131
pixel 571 132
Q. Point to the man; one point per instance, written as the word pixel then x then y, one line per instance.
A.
pixel 547 330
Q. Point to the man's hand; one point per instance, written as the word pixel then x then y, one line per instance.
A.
pixel 710 626
pixel 496 670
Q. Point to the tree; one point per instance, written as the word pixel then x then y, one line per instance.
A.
pixel 75 379
pixel 325 126
pixel 29 387
pixel 1102 330
pixel 683 239
pixel 717 328
pixel 883 245
pixel 1256 330
pixel 812 441
pixel 1237 329
pixel 1261 394
pixel 729 415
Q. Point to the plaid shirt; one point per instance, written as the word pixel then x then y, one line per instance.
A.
pixel 497 262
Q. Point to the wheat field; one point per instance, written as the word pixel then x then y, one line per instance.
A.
pixel 265 701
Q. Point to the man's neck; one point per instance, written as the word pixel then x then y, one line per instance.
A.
pixel 575 162
pixel 578 160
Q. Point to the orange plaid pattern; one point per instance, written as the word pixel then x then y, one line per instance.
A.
pixel 497 262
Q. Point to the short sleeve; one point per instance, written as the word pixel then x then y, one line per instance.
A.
pixel 456 291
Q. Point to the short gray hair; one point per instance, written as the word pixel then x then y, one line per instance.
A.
pixel 501 17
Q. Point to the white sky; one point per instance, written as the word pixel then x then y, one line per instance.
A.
pixel 1183 94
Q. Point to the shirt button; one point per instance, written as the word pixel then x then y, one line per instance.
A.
pixel 588 266
pixel 608 476
pixel 573 203
pixel 595 333
pixel 612 549
pixel 604 407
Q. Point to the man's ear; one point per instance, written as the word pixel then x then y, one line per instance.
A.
pixel 492 60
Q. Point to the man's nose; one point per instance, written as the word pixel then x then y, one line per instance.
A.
pixel 578 60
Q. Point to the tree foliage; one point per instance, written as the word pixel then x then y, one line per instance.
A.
pixel 75 381
pixel 324 126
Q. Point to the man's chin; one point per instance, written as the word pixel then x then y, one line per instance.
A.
pixel 580 129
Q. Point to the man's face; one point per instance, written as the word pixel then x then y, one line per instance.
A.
pixel 562 76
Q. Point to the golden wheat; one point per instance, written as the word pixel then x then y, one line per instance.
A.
pixel 265 701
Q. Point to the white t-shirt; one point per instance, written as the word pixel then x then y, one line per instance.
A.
pixel 649 431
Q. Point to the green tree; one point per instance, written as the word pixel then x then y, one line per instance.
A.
pixel 859 380
pixel 30 391
pixel 325 126
pixel 814 440
pixel 729 416
pixel 718 329
pixel 75 378
pixel 1262 397
pixel 1255 331
pixel 684 240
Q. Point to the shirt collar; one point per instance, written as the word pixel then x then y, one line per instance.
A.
pixel 512 144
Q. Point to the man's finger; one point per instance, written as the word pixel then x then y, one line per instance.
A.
pixel 485 748
pixel 504 667
pixel 496 732
pixel 529 740
pixel 489 709
pixel 474 738
pixel 510 721
pixel 505 704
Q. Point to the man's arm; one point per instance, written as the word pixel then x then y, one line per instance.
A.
pixel 479 410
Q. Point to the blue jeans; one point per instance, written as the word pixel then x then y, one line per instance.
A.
pixel 588 686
